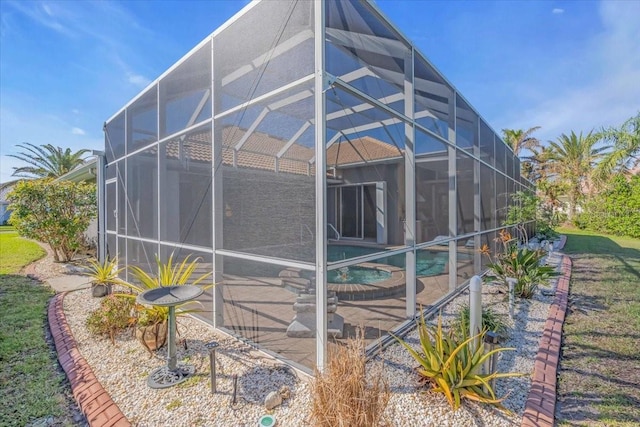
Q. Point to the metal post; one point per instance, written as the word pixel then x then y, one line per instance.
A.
pixel 409 187
pixel 320 184
pixel 212 364
pixel 171 345
pixel 235 389
pixel 475 309
pixel 491 340
pixel 512 284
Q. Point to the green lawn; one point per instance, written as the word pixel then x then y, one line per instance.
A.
pixel 599 382
pixel 31 387
pixel 16 252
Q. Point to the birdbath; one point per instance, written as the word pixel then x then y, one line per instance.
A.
pixel 170 296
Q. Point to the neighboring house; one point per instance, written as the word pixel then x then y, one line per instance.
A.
pixel 354 176
pixel 5 213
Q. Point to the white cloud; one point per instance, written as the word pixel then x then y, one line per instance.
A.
pixel 78 131
pixel 557 11
pixel 137 79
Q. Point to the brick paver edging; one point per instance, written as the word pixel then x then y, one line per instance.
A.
pixel 541 402
pixel 94 402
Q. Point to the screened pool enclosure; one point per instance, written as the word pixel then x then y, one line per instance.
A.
pixel 317 162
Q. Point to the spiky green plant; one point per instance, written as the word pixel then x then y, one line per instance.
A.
pixel 491 321
pixel 105 272
pixel 451 364
pixel 168 274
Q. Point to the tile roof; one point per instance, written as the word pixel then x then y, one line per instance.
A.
pixel 361 150
pixel 260 151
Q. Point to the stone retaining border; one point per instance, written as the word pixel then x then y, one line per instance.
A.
pixel 94 402
pixel 541 403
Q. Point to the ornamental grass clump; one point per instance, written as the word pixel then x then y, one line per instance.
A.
pixel 451 364
pixel 342 394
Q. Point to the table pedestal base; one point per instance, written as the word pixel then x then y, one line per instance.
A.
pixel 164 377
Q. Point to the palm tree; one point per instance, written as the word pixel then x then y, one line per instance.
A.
pixel 519 139
pixel 625 155
pixel 46 161
pixel 573 158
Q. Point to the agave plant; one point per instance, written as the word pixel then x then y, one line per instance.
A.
pixel 452 365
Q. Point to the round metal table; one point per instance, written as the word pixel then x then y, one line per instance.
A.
pixel 170 296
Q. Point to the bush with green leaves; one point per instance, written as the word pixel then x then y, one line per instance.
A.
pixel 616 210
pixel 55 213
pixel 451 364
pixel 114 315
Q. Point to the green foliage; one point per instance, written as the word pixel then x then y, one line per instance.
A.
pixel 56 213
pixel 519 139
pixel 491 321
pixel 527 207
pixel 572 159
pixel 522 264
pixel 46 161
pixel 615 210
pixel 626 148
pixel 30 386
pixel 522 209
pixel 451 365
pixel 105 272
pixel 114 315
pixel 168 274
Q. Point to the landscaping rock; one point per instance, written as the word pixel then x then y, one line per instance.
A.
pixel 272 400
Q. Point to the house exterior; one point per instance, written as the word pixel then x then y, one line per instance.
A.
pixel 5 212
pixel 325 171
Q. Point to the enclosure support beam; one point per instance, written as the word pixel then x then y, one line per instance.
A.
pixel 101 163
pixel 453 193
pixel 477 204
pixel 321 186
pixel 409 187
pixel 217 207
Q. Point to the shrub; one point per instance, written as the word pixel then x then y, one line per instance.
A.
pixel 56 213
pixel 342 395
pixel 114 315
pixel 491 321
pixel 522 264
pixel 450 365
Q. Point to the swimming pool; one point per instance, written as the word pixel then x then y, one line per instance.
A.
pixel 428 263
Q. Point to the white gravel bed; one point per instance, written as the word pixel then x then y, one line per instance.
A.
pixel 123 369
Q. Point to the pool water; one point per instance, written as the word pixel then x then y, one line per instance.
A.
pixel 355 274
pixel 428 263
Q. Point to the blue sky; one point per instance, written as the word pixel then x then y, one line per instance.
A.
pixel 67 66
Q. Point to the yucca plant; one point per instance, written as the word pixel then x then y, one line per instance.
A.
pixel 103 275
pixel 451 364
pixel 168 274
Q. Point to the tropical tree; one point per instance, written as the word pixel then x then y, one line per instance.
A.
pixel 625 153
pixel 520 139
pixel 46 161
pixel 572 160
